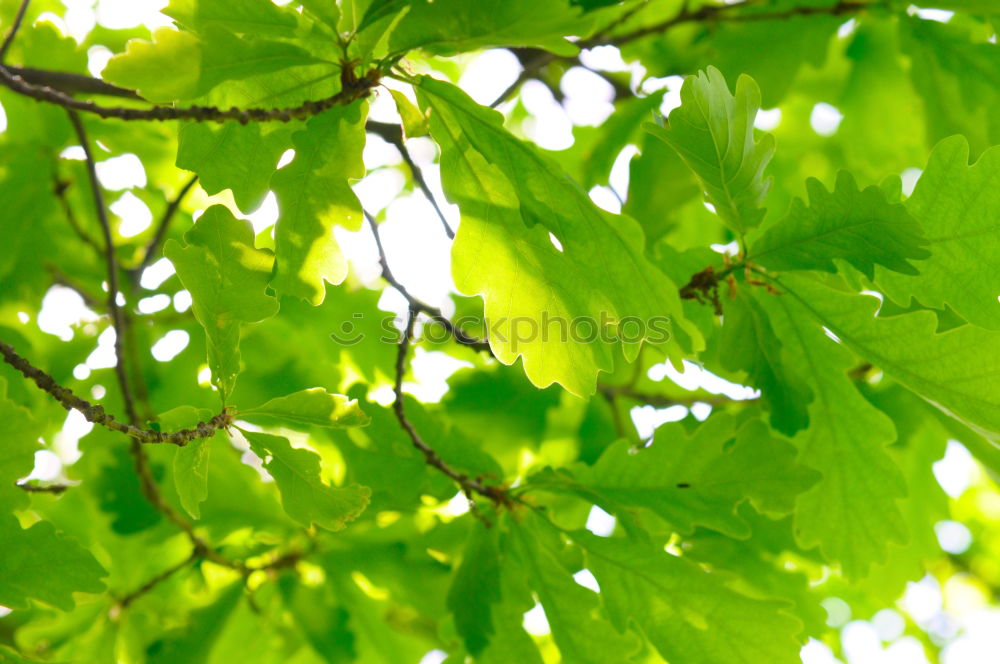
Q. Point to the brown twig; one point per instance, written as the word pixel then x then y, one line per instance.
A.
pixel 469 485
pixel 661 401
pixel 59 188
pixel 125 600
pixel 360 88
pixel 164 225
pixel 111 260
pixel 15 26
pixel 95 413
pixel 419 306
pixel 43 488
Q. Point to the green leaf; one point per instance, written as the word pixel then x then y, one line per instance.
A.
pixel 512 199
pixel 233 156
pixel 194 642
pixel 314 195
pixel 178 65
pixel 851 514
pixel 579 632
pixel 859 227
pixel 958 207
pixel 190 461
pixel 712 130
pixel 748 343
pixel 255 17
pixel 452 26
pixel 955 370
pixel 304 495
pixel 38 563
pixel 475 589
pixel 690 614
pixel 17 450
pixel 227 278
pixel 414 122
pixel 314 406
pixel 699 479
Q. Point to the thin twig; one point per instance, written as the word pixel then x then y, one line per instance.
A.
pixel 111 260
pixel 662 401
pixel 125 600
pixel 422 307
pixel 59 189
pixel 95 413
pixel 469 485
pixel 71 83
pixel 43 488
pixel 161 231
pixel 9 39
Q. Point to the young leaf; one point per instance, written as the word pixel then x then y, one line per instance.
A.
pixel 689 614
pixel 958 206
pixel 851 513
pixel 476 588
pixel 254 17
pixel 314 406
pixel 414 122
pixel 712 130
pixel 39 563
pixel 314 195
pixel 190 461
pixel 551 305
pixel 860 227
pixel 227 277
pixel 304 495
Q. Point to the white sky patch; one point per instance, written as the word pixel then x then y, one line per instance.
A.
pixel 535 621
pixel 549 126
pixel 605 198
pixel 411 222
pixel 154 275
pixel 434 657
pixel 170 345
pixel 646 418
pixel 922 599
pixel 488 74
pixel 604 58
pixel 431 370
pixel 588 97
pixel 953 536
pixel 103 357
pixel 286 158
pixel 134 214
pixel 825 119
pixel 701 411
pixel 767 119
pixel 620 171
pixel 182 301
pixel 816 652
pixel 956 471
pixel 66 443
pixel 846 28
pixel 888 624
pixel 860 642
pixel 121 172
pixel 97 392
pixel 600 522
pixel 48 466
pixel 124 14
pixel 910 177
pixel 3 120
pixel 587 579
pixel 939 15
pixel 63 308
pixel 97 59
pixel 377 189
pixel 383 108
pixel 379 152
pixel 74 153
pixel 150 305
pixel 838 612
pixel 266 214
pixel 694 377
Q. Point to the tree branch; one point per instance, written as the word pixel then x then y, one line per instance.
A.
pixel 96 413
pixel 419 306
pixel 469 485
pixel 354 90
pixel 125 600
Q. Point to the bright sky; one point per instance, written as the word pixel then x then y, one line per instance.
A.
pixel 419 254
